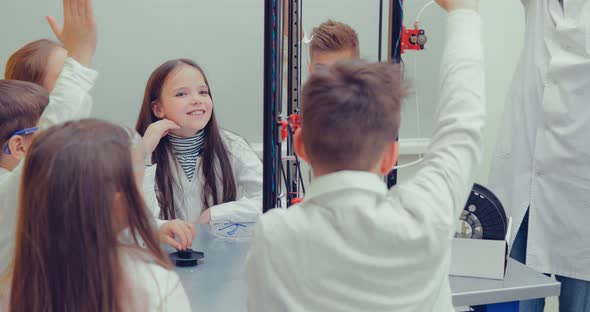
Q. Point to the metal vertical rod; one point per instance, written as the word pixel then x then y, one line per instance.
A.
pixel 293 86
pixel 380 30
pixel 395 32
pixel 271 157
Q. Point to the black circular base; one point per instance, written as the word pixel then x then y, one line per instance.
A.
pixel 483 215
pixel 186 258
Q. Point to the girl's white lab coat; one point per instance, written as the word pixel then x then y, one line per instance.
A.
pixel 69 100
pixel 147 286
pixel 247 171
pixel 542 158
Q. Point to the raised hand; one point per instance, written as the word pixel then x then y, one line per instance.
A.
pixel 57 30
pixel 79 33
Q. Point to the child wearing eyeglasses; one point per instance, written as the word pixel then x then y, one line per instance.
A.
pixel 21 104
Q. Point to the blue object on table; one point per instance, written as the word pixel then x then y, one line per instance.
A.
pixel 235 226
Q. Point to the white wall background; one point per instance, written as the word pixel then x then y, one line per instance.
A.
pixel 226 38
pixel 135 36
pixel 503 30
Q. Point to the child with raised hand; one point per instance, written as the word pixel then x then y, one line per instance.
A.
pixel 352 244
pixel 68 100
pixel 201 173
pixel 40 61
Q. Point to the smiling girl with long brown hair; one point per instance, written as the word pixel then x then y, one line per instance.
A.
pixel 201 173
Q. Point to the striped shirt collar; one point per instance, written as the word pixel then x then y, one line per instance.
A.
pixel 187 151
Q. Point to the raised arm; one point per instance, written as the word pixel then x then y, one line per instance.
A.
pixel 452 159
pixel 70 99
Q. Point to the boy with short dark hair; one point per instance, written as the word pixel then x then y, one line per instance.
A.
pixel 352 244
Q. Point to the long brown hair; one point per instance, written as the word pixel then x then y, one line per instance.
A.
pixel 214 150
pixel 29 63
pixel 78 186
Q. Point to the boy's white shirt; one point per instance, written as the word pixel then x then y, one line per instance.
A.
pixel 247 170
pixel 352 245
pixel 69 100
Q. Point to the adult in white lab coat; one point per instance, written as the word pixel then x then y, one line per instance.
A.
pixel 541 168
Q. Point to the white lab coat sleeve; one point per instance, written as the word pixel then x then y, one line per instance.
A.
pixel 69 100
pixel 159 223
pixel 264 284
pixel 149 194
pixel 256 271
pixel 151 286
pixel 176 299
pixel 248 177
pixel 451 160
pixel 9 192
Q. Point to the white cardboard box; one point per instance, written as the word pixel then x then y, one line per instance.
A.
pixel 479 257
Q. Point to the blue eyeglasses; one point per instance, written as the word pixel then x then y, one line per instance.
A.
pixel 20 132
